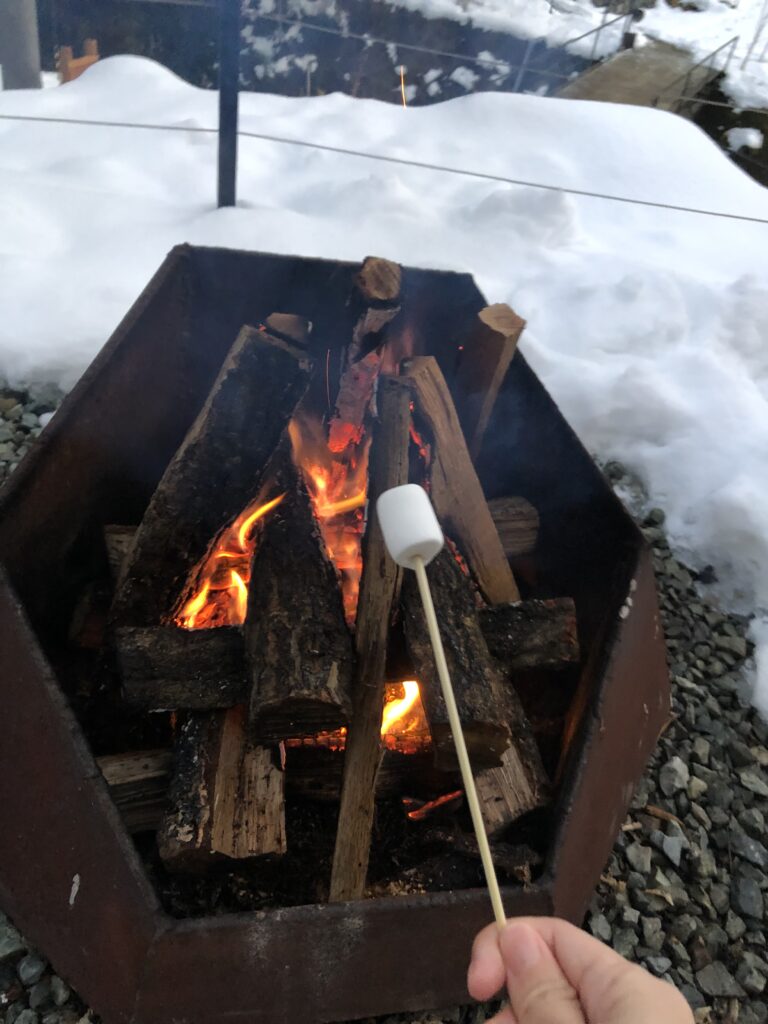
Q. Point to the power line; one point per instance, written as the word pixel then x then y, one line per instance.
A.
pixel 400 161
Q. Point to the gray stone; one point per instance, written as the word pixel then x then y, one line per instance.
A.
pixel 700 749
pixel 600 927
pixel 673 848
pixel 754 780
pixel 11 943
pixel 639 857
pixel 716 980
pixel 27 1017
pixel 693 997
pixel 625 942
pixel 31 969
pixel 750 979
pixel 734 644
pixel 59 990
pixel 746 897
pixel 673 776
pixel 658 965
pixel 753 822
pixel 684 927
pixel 40 994
pixel 734 926
pixel 750 849
pixel 696 788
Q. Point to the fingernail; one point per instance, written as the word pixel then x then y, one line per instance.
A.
pixel 521 948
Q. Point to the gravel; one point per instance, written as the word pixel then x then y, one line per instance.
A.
pixel 684 891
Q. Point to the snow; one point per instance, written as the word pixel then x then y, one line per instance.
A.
pixel 647 325
pixel 746 138
pixel 560 21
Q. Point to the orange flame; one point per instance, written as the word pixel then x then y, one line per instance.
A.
pixel 337 483
pixel 221 597
pixel 404 725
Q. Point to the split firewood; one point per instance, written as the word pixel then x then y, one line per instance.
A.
pixel 455 489
pixel 507 792
pixel 165 667
pixel 316 774
pixel 492 717
pixel 289 327
pixel 298 644
pixel 518 524
pixel 138 783
pixel 485 358
pixel 226 797
pixel 379 594
pixel 374 303
pixel 532 634
pixel 213 475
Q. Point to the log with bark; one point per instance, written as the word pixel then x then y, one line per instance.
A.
pixel 485 358
pixel 226 797
pixel 379 593
pixel 532 634
pixel 164 667
pixel 493 720
pixel 455 488
pixel 213 475
pixel 298 645
pixel 374 303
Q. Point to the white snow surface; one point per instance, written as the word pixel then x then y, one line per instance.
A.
pixel 744 138
pixel 701 31
pixel 647 325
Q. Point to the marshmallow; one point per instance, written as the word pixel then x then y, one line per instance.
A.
pixel 409 525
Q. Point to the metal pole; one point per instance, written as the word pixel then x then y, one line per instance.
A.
pixel 229 82
pixel 761 23
pixel 521 70
pixel 597 34
pixel 19 44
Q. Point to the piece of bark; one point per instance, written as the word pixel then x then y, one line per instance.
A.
pixel 118 541
pixel 170 668
pixel 138 784
pixel 492 718
pixel 532 634
pixel 379 594
pixel 297 642
pixel 226 797
pixel 485 358
pixel 455 488
pixel 374 303
pixel 518 524
pixel 213 475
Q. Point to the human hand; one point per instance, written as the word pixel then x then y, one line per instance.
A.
pixel 557 974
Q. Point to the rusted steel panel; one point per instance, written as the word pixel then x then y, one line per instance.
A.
pixel 321 964
pixel 619 729
pixel 69 876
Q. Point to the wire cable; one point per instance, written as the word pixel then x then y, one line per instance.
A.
pixel 399 161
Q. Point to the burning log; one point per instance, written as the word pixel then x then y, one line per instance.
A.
pixel 118 541
pixel 314 773
pixel 226 795
pixel 532 634
pixel 138 784
pixel 518 524
pixel 297 641
pixel 455 489
pixel 211 477
pixel 486 355
pixel 374 303
pixel 490 713
pixel 379 593
pixel 507 792
pixel 167 668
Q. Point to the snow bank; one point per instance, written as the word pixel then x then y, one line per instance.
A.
pixel 744 138
pixel 647 325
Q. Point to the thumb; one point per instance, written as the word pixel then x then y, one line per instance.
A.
pixel 539 992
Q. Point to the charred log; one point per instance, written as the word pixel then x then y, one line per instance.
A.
pixel 532 634
pixel 167 667
pixel 212 476
pixel 298 645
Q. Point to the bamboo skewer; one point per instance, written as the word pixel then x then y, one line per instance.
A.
pixel 413 538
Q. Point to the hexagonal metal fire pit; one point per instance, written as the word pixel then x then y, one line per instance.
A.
pixel 70 876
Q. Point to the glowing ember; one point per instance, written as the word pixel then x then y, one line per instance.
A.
pixel 404 725
pixel 221 594
pixel 337 482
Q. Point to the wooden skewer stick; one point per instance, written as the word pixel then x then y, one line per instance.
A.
pixel 413 537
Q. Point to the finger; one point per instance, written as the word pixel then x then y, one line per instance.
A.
pixel 485 976
pixel 539 992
